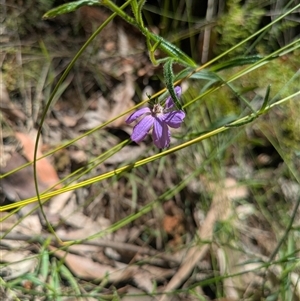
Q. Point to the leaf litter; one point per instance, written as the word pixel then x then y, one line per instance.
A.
pixel 132 260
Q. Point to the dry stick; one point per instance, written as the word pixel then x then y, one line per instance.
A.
pixel 103 243
pixel 207 32
pixel 220 209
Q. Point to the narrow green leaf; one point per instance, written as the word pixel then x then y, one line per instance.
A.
pixel 183 73
pixel 169 77
pixel 240 61
pixel 140 7
pixel 205 74
pixel 38 282
pixel 69 7
pixel 210 85
pixel 141 3
pixel 266 99
pixel 70 278
pixel 134 8
pixel 55 281
pixel 173 51
pixel 45 265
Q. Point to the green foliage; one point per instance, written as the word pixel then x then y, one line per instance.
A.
pixel 220 98
pixel 69 7
pixel 237 24
pixel 169 79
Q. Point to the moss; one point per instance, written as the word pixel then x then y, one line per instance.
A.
pixel 9 71
pixel 236 25
pixel 290 127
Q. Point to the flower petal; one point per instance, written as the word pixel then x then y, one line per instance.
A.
pixel 142 128
pixel 160 133
pixel 135 115
pixel 170 102
pixel 174 118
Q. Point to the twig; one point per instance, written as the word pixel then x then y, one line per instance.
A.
pixel 103 243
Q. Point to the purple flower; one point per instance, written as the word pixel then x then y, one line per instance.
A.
pixel 159 118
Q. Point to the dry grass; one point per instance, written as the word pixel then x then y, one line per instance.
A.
pixel 218 220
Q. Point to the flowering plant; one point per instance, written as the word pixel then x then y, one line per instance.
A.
pixel 159 119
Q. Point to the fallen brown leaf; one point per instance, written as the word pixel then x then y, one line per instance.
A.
pixel 220 209
pixel 20 185
pixel 86 268
pixel 46 172
pixel 20 263
pixel 122 96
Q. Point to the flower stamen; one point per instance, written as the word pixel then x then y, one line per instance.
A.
pixel 157 109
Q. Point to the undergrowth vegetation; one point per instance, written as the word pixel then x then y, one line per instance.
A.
pixel 150 150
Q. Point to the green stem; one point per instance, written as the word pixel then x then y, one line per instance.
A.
pixel 63 77
pixel 161 43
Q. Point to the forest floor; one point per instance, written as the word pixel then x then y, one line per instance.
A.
pixel 223 230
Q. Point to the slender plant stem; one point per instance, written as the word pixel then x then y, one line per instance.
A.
pixel 63 77
pixel 146 160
